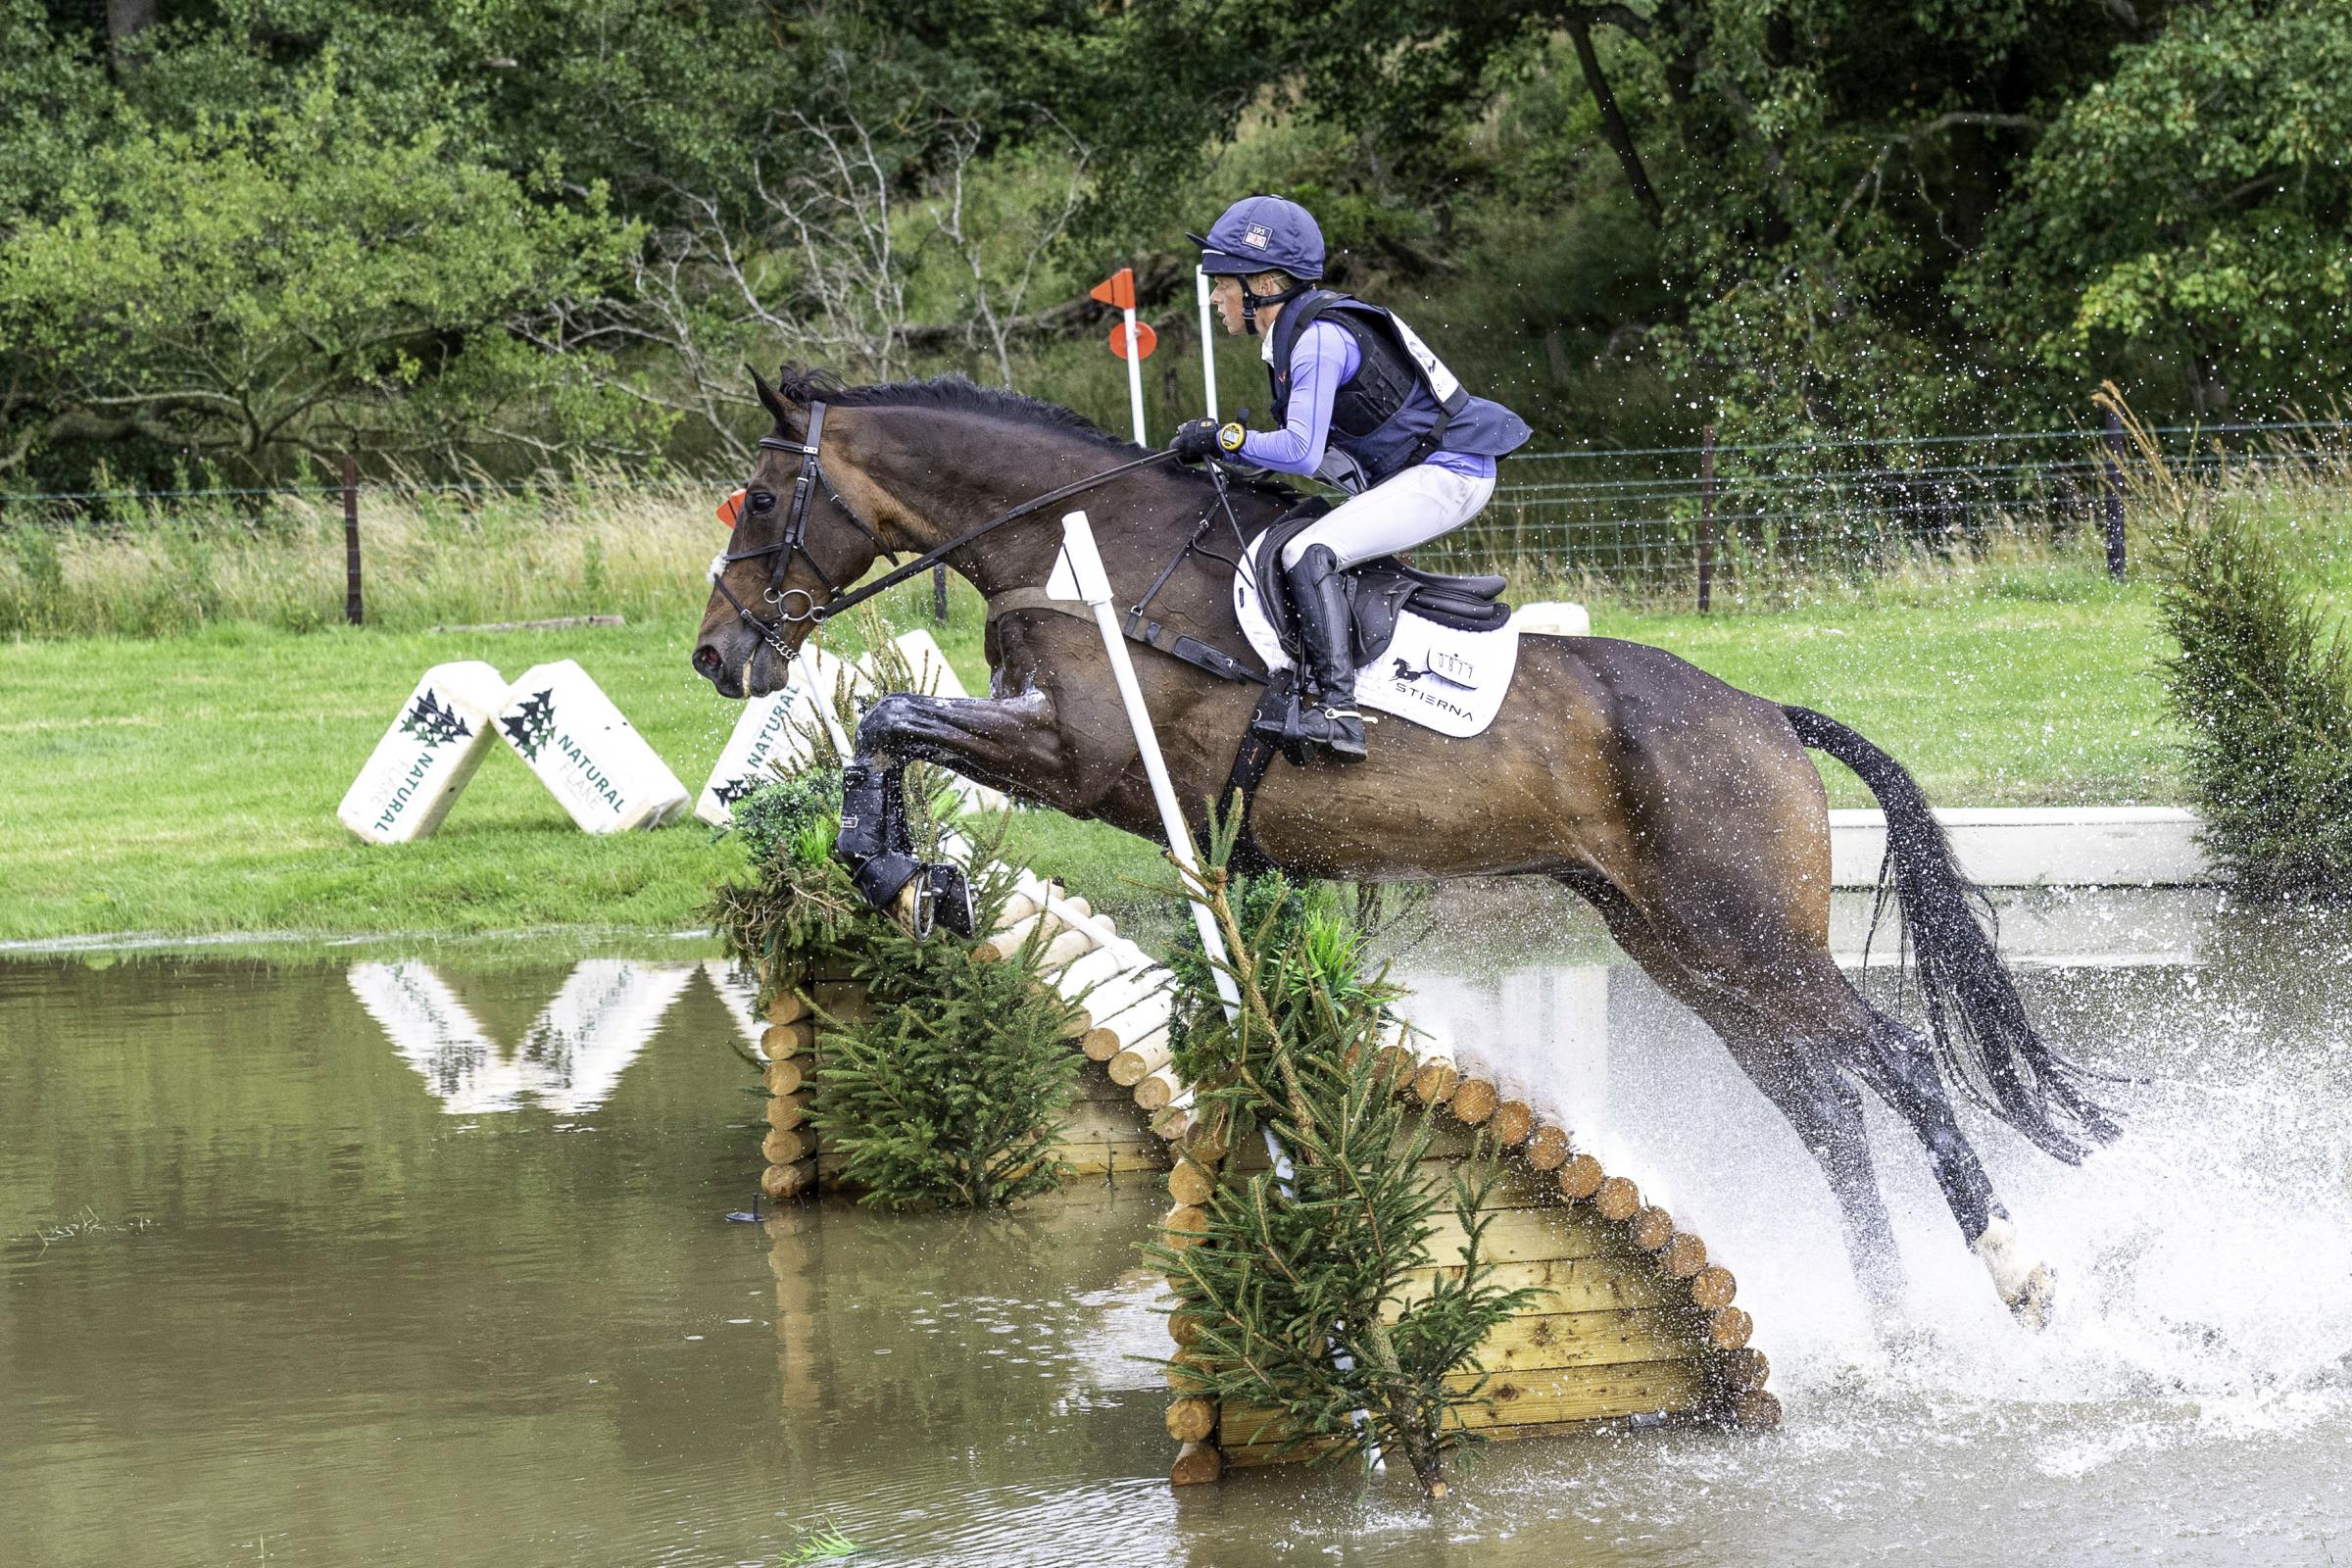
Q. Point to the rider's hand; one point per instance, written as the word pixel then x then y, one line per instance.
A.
pixel 1195 441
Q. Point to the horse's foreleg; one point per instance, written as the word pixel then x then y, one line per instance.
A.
pixel 1011 744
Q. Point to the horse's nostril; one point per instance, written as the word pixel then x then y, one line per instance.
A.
pixel 706 660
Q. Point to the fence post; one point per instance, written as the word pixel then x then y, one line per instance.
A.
pixel 2112 478
pixel 1706 518
pixel 354 608
pixel 938 595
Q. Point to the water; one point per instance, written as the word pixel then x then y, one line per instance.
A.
pixel 350 1258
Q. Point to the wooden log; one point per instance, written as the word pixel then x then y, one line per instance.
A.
pixel 1063 951
pixel 1184 1374
pixel 1618 1199
pixel 1548 1147
pixel 1434 1082
pixel 1172 1122
pixel 789 1109
pixel 1190 1418
pixel 788 1145
pixel 1184 1226
pixel 1712 1288
pixel 1606 1337
pixel 1158 1089
pixel 1204 1141
pixel 781 1040
pixel 1185 1328
pixel 1135 1015
pixel 1513 1121
pixel 1580 1177
pixel 1089 975
pixel 1397 1066
pixel 1474 1102
pixel 1684 1255
pixel 1741 1369
pixel 1147 1055
pixel 785 1078
pixel 1604 1282
pixel 1652 1228
pixel 787 1005
pixel 1100 1044
pixel 998 945
pixel 1191 1185
pixel 1196 1463
pixel 1728 1328
pixel 1757 1410
pixel 1539 1395
pixel 780 1182
pixel 1019 906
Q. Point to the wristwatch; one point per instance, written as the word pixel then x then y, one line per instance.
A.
pixel 1231 435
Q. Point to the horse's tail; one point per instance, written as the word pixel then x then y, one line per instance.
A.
pixel 1979 1022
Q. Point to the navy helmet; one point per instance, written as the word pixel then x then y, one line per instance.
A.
pixel 1263 234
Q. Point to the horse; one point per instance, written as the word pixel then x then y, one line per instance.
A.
pixel 1686 812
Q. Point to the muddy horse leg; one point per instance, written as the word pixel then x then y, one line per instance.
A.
pixel 1818 1100
pixel 1013 743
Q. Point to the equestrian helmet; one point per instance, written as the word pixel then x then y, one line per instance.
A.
pixel 1262 234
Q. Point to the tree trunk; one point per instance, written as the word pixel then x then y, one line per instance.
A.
pixel 126 22
pixel 1613 127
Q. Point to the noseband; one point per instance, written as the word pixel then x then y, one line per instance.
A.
pixel 792 543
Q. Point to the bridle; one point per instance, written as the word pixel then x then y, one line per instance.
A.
pixel 792 543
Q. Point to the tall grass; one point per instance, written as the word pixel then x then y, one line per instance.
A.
pixel 606 543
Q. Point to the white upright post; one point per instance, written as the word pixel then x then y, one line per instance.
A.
pixel 1093 585
pixel 1134 374
pixel 1208 342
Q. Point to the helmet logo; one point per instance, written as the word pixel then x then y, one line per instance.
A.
pixel 1258 235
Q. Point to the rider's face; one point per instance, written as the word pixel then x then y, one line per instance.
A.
pixel 1225 292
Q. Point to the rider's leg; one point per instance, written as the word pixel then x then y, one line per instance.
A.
pixel 1406 510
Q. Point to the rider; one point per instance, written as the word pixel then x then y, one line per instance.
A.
pixel 1364 406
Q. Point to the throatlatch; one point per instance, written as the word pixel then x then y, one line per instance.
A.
pixel 879 851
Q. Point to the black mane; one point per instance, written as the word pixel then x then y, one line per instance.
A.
pixel 953 392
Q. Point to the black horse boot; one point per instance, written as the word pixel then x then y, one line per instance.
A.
pixel 1320 601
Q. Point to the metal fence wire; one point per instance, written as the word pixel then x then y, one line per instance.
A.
pixel 1655 523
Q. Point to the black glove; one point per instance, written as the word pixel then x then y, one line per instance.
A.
pixel 1195 441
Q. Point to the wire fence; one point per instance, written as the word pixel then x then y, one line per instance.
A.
pixel 1672 524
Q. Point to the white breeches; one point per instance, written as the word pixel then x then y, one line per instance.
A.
pixel 1400 512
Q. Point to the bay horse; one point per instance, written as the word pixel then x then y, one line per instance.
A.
pixel 1685 810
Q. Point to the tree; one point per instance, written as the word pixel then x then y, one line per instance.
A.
pixel 292 281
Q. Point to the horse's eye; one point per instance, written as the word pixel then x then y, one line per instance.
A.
pixel 764 501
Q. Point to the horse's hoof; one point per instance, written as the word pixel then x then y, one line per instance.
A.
pixel 2033 1304
pixel 2026 1286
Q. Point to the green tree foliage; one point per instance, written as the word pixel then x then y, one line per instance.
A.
pixel 1297 1281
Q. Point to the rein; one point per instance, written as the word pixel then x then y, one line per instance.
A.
pixel 794 539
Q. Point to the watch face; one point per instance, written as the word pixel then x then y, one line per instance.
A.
pixel 1230 437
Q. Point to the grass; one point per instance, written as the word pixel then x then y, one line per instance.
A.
pixel 186 786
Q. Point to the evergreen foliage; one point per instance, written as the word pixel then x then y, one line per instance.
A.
pixel 1298 1283
pixel 2261 685
pixel 952 1088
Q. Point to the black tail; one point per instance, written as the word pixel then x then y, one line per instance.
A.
pixel 1982 1035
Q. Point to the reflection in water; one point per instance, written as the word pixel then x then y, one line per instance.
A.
pixel 569 1059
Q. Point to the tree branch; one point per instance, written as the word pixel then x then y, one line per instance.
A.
pixel 1613 128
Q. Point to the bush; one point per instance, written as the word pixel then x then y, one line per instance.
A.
pixel 1291 1284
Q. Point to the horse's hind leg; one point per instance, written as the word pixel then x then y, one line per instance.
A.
pixel 1818 1100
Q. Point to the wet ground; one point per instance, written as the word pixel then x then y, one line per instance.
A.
pixel 370 1255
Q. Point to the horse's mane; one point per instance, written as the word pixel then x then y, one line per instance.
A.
pixel 959 393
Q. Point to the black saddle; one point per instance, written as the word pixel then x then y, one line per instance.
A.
pixel 1377 592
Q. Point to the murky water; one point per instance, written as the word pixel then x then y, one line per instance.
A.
pixel 368 1259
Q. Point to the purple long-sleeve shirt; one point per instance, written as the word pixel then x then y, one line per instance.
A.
pixel 1325 357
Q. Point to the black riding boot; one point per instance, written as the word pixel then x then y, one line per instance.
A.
pixel 1328 715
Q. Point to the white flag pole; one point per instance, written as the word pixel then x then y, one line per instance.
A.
pixel 1208 343
pixel 1092 586
pixel 1135 374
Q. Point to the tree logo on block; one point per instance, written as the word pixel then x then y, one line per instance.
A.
pixel 430 720
pixel 529 725
pixel 733 790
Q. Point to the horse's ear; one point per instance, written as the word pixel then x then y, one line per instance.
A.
pixel 769 397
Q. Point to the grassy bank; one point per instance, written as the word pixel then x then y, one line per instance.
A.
pixel 187 785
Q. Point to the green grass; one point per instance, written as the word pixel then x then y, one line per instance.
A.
pixel 186 786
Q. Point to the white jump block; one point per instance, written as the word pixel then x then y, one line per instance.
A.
pixel 416 772
pixel 2143 846
pixel 591 759
pixel 770 737
pixel 1554 618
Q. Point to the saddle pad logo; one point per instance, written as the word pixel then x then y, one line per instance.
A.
pixel 1258 235
pixel 1442 668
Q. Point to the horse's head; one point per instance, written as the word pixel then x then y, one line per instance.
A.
pixel 797 545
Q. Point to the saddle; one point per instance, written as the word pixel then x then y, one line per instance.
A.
pixel 1379 591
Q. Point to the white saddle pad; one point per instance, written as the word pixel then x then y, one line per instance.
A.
pixel 1442 678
